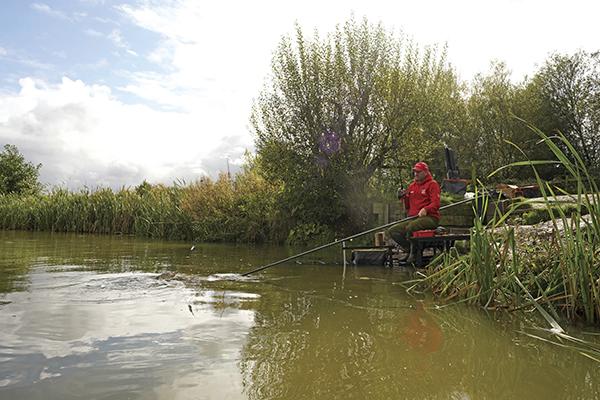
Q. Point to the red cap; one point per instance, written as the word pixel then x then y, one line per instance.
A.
pixel 421 166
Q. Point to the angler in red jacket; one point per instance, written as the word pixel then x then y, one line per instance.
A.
pixel 422 199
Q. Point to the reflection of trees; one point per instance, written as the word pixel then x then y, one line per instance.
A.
pixel 15 262
pixel 306 346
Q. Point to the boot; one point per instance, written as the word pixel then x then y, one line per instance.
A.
pixel 412 258
pixel 403 253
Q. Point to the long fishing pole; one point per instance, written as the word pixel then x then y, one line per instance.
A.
pixel 348 238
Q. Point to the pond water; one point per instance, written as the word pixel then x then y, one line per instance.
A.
pixel 99 317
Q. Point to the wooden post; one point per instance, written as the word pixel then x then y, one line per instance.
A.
pixel 379 239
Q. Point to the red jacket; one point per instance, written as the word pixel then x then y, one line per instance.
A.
pixel 424 194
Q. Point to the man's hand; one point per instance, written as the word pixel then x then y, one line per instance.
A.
pixel 401 193
pixel 423 212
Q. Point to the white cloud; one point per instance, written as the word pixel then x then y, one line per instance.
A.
pixel 212 59
pixel 207 39
pixel 93 2
pixel 84 136
pixel 20 57
pixel 117 38
pixel 46 9
pixel 103 20
pixel 217 58
pixel 93 33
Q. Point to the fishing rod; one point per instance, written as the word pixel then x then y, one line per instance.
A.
pixel 350 238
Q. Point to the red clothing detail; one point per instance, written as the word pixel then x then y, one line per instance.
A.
pixel 425 195
pixel 421 166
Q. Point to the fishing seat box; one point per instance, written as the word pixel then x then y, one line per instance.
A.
pixel 423 233
pixel 428 239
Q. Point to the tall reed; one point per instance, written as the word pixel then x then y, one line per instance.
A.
pixel 244 208
pixel 560 271
pixel 153 212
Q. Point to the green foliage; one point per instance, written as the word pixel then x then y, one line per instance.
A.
pixel 559 269
pixel 569 86
pixel 245 209
pixel 340 108
pixel 449 198
pixel 155 213
pixel 314 234
pixel 537 215
pixel 493 103
pixel 561 97
pixel 241 209
pixel 17 175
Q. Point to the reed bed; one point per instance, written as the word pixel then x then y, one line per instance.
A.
pixel 154 212
pixel 243 209
pixel 559 271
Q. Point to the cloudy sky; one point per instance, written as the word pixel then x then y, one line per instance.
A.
pixel 109 92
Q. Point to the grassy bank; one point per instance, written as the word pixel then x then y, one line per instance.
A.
pixel 555 267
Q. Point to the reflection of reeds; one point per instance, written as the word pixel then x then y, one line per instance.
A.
pixel 560 271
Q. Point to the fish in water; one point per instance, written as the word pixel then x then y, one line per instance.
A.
pixel 190 308
pixel 422 332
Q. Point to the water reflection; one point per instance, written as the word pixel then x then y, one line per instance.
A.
pixel 422 332
pixel 124 335
pixel 362 343
pixel 106 317
pixel 20 252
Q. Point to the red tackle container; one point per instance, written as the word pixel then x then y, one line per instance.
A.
pixel 425 233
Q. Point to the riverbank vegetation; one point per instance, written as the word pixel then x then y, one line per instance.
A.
pixel 339 125
pixel 554 263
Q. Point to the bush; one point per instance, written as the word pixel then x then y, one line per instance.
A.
pixel 310 234
pixel 17 175
pixel 241 209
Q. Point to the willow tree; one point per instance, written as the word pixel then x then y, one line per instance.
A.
pixel 338 109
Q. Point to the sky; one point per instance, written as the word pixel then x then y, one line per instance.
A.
pixel 112 93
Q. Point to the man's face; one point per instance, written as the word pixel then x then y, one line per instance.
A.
pixel 420 175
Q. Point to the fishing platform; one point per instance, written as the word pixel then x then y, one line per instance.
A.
pixel 426 244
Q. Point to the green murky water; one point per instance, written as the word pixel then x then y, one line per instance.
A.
pixel 95 317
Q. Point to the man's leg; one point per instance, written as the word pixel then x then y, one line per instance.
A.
pixel 398 233
pixel 419 224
